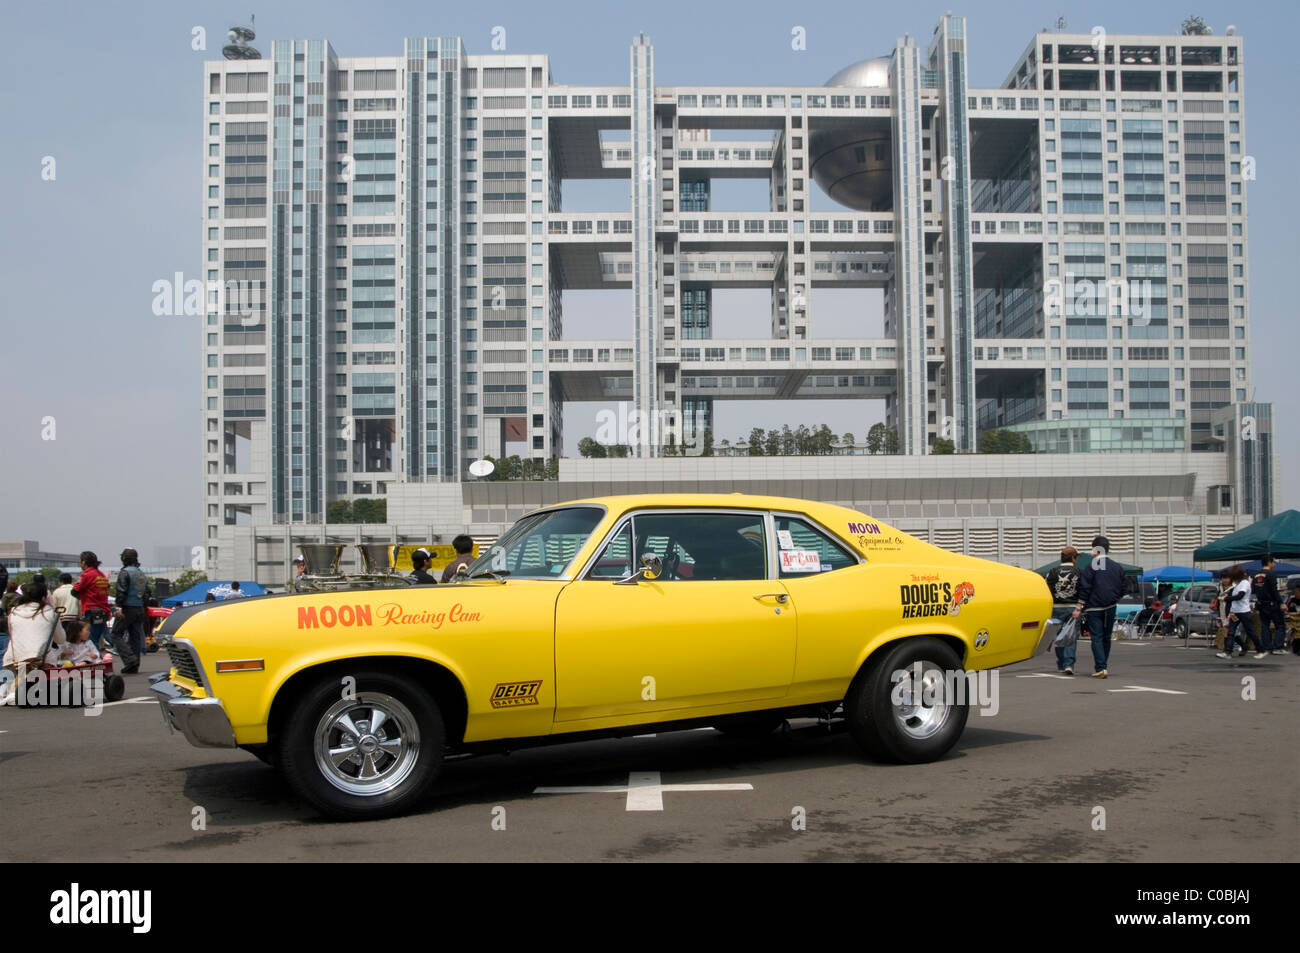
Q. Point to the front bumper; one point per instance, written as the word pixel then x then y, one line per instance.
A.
pixel 1050 628
pixel 202 721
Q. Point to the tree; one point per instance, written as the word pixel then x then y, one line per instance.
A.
pixel 772 444
pixel 875 438
pixel 891 440
pixel 942 445
pixel 590 448
pixel 618 450
pixel 707 449
pixel 849 440
pixel 553 468
pixel 787 441
pixel 190 577
pixel 670 448
pixel 823 440
pixel 1195 26
pixel 756 442
pixel 340 511
pixel 369 511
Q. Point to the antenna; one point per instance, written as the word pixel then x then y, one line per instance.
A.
pixel 1060 24
pixel 240 37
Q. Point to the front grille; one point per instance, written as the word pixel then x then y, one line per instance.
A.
pixel 184 662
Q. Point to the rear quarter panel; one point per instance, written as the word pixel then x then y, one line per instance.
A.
pixel 906 588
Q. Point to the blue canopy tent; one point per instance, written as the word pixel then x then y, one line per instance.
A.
pixel 199 591
pixel 1177 574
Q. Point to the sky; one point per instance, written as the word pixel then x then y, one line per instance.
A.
pixel 100 442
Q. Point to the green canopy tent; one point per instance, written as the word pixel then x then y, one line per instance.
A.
pixel 1279 535
pixel 1083 560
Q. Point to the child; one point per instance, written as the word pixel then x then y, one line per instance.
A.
pixel 81 650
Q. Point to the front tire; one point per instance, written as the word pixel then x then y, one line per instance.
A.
pixel 369 752
pixel 909 703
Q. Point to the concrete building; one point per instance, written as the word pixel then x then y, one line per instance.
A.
pixel 1064 255
pixel 27 554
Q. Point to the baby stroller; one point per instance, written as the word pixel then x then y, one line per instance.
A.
pixel 44 676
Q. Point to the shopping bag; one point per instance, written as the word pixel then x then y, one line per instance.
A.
pixel 1067 635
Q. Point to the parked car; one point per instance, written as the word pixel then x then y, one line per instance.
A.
pixel 598 618
pixel 1193 615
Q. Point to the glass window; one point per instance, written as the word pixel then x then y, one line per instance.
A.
pixel 703 546
pixel 541 545
pixel 805 539
pixel 615 560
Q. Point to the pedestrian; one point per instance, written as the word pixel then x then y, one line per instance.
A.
pixel 419 574
pixel 68 604
pixel 33 628
pixel 1063 583
pixel 1239 619
pixel 4 621
pixel 1269 604
pixel 79 649
pixel 92 589
pixel 296 582
pixel 210 597
pixel 464 546
pixel 234 592
pixel 1101 585
pixel 129 612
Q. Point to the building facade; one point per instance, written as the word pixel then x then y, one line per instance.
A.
pixel 387 254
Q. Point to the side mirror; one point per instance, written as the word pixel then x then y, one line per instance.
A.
pixel 652 566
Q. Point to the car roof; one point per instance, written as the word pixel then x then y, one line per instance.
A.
pixel 826 513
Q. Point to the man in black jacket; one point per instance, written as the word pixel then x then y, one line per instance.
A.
pixel 1063 584
pixel 1101 585
pixel 1268 602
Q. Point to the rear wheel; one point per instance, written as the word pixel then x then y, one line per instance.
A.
pixel 1180 628
pixel 114 687
pixel 909 703
pixel 362 750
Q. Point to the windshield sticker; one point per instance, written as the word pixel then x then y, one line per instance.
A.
pixel 800 560
pixel 784 538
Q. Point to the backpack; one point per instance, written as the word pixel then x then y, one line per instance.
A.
pixel 1066 588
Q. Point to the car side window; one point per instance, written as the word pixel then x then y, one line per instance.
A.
pixel 616 559
pixel 803 550
pixel 703 546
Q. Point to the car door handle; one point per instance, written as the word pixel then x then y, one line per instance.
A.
pixel 778 596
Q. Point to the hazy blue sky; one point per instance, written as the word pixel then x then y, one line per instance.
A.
pixel 114 93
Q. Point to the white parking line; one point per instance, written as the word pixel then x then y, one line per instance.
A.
pixel 1045 675
pixel 131 701
pixel 644 790
pixel 1143 688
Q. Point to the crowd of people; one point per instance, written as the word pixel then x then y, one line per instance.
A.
pixel 1091 593
pixel 72 622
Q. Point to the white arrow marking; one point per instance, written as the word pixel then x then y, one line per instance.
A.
pixel 644 789
pixel 1143 688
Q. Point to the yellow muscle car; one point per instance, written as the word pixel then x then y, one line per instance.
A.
pixel 604 617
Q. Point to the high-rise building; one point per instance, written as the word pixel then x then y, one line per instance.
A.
pixel 1063 256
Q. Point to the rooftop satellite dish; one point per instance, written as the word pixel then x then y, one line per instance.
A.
pixel 481 468
pixel 238 48
pixel 1231 30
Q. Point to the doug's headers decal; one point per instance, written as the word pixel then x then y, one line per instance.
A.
pixel 931 597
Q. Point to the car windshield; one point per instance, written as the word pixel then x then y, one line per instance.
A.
pixel 540 546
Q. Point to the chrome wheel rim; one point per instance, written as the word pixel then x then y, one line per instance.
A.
pixel 924 704
pixel 367 745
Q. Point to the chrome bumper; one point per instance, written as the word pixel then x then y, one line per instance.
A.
pixel 1050 628
pixel 202 721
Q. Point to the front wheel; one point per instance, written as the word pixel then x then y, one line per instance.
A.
pixel 1180 629
pixel 362 749
pixel 909 703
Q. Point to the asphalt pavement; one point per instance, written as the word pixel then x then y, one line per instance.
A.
pixel 1178 756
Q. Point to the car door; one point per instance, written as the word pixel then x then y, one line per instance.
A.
pixel 713 633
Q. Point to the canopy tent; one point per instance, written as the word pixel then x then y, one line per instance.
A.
pixel 199 592
pixel 1278 535
pixel 1177 574
pixel 1083 560
pixel 1280 568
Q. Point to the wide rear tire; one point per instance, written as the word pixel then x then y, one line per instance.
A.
pixel 905 704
